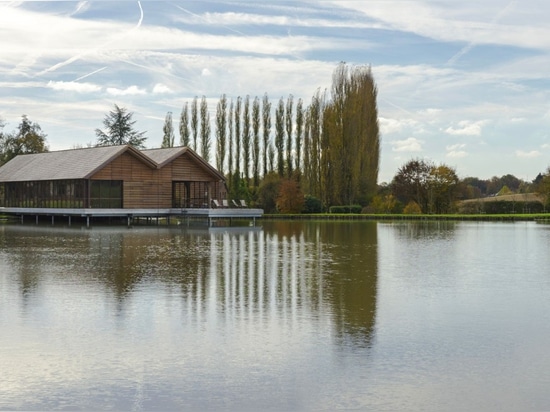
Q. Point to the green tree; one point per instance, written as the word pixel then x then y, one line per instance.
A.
pixel 206 141
pixel 288 129
pixel 268 192
pixel 266 129
pixel 119 129
pixel 238 108
pixel 184 126
pixel 246 139
pixel 432 187
pixel 168 130
pixel 299 135
pixel 280 136
pixel 256 141
pixel 230 143
pixel 411 183
pixel 195 122
pixel 221 132
pixel 27 139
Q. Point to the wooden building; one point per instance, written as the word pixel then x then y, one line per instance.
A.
pixel 111 177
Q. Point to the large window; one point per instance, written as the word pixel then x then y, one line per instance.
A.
pixel 190 194
pixel 106 194
pixel 45 194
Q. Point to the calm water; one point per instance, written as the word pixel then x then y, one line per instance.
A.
pixel 290 316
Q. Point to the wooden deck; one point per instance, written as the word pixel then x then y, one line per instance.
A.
pixel 208 214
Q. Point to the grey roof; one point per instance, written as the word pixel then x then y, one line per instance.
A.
pixel 64 164
pixel 166 155
pixel 161 156
pixel 83 163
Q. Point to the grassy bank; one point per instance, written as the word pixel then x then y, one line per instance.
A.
pixel 517 217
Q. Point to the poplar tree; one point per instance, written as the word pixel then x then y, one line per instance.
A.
pixel 280 137
pixel 288 128
pixel 350 137
pixel 168 130
pixel 230 142
pixel 256 141
pixel 195 122
pixel 237 116
pixel 184 125
pixel 246 139
pixel 266 128
pixel 205 130
pixel 299 135
pixel 221 132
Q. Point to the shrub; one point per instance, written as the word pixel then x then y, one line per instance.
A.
pixel 412 208
pixel 312 205
pixel 345 209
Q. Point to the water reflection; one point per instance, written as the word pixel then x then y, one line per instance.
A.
pixel 282 273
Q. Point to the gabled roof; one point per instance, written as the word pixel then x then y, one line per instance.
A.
pixel 65 164
pixel 164 156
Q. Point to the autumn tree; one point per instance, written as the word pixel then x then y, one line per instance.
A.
pixel 119 129
pixel 206 141
pixel 442 189
pixel 184 125
pixel 28 138
pixel 350 137
pixel 432 187
pixel 168 131
pixel 290 198
pixel 195 122
pixel 221 132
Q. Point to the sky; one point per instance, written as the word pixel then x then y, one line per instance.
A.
pixel 463 83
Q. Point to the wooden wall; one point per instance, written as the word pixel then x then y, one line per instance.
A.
pixel 146 187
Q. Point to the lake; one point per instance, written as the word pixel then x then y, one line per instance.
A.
pixel 292 315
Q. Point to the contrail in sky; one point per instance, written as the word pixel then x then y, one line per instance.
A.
pixel 89 74
pixel 472 44
pixel 78 56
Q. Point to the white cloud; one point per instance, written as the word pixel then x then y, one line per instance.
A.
pixel 408 145
pixel 457 154
pixel 466 128
pixel 457 146
pixel 528 155
pixel 74 86
pixel 130 91
pixel 161 89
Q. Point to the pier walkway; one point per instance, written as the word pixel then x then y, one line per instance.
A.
pixel 208 214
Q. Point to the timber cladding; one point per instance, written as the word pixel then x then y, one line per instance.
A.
pixel 148 187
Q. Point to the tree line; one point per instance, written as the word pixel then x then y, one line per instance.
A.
pixel 328 150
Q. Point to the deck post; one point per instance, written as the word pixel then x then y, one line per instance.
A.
pixel 88 221
pixel 69 220
pixel 129 219
pixel 52 220
pixel 36 219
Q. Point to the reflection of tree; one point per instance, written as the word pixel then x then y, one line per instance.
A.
pixel 427 229
pixel 351 285
pixel 273 276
